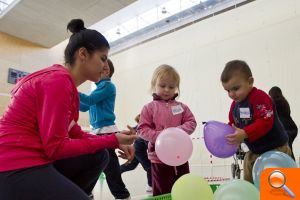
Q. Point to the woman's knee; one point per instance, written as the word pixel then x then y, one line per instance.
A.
pixel 101 159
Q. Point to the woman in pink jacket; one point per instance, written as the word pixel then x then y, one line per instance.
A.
pixel 164 112
pixel 44 154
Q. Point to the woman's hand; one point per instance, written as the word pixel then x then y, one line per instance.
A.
pixel 127 137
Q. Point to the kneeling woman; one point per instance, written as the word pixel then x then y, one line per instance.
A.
pixel 44 154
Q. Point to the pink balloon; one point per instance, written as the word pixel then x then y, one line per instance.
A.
pixel 173 146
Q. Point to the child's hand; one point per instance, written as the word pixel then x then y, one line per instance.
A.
pixel 127 137
pixel 131 131
pixel 126 152
pixel 237 137
pixel 131 151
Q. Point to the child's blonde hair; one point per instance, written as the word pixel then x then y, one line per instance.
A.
pixel 165 71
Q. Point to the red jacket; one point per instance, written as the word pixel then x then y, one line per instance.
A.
pixel 40 123
pixel 258 117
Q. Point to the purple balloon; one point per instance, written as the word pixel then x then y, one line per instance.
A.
pixel 215 141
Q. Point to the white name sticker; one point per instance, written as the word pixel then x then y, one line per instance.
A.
pixel 244 113
pixel 177 109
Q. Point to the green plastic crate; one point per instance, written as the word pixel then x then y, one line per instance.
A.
pixel 213 187
pixel 160 197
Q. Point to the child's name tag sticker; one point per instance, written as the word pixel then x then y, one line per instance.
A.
pixel 177 109
pixel 244 113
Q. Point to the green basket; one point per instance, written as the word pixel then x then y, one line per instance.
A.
pixel 160 197
pixel 213 187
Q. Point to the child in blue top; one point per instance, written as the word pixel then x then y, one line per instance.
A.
pixel 101 104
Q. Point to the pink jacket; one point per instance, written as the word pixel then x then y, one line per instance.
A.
pixel 158 115
pixel 40 123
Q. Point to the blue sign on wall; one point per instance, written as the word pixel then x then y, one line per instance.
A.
pixel 14 75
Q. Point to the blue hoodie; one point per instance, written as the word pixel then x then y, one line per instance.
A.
pixel 100 103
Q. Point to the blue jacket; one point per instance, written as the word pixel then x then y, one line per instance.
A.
pixel 100 103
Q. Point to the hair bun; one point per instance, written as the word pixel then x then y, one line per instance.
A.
pixel 75 25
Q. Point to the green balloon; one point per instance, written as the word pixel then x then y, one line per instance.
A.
pixel 237 190
pixel 191 187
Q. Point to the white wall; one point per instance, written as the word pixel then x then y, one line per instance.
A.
pixel 264 33
pixel 17 54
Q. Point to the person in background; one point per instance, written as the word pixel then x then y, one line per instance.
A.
pixel 284 114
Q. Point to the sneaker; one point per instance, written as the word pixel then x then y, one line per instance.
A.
pixel 149 189
pixel 91 197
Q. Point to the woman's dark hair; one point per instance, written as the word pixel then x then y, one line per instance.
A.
pixel 92 40
pixel 282 105
pixel 111 68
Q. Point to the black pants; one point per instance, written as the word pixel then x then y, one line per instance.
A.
pixel 68 179
pixel 114 178
pixel 129 166
pixel 141 156
pixel 292 135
